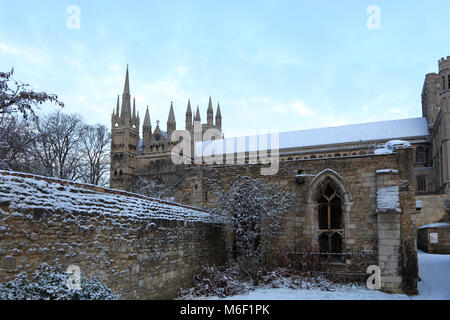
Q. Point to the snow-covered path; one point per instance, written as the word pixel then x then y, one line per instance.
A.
pixel 434 271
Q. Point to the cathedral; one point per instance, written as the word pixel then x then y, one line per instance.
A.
pixel 133 154
pixel 149 156
pixel 363 188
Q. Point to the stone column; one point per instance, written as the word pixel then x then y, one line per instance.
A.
pixel 389 233
pixel 388 224
pixel 396 223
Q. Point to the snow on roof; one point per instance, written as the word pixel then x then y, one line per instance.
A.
pixel 163 133
pixel 444 225
pixel 372 131
pixel 392 145
pixel 28 193
pixel 388 199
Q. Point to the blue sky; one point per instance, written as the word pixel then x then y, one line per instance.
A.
pixel 272 65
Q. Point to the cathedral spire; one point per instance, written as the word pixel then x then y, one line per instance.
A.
pixel 189 116
pixel 147 122
pixel 197 115
pixel 218 114
pixel 171 114
pixel 117 107
pixel 210 112
pixel 134 108
pixel 126 88
pixel 126 101
pixel 189 110
pixel 171 124
pixel 218 117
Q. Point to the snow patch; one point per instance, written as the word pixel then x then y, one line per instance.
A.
pixel 434 285
pixel 388 199
pixel 444 225
pixel 391 146
pixel 382 151
pixel 387 171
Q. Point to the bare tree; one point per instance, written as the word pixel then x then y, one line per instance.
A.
pixel 95 148
pixel 17 104
pixel 17 97
pixel 155 188
pixel 15 137
pixel 56 148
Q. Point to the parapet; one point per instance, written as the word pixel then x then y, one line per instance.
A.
pixel 444 63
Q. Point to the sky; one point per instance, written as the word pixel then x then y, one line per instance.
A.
pixel 272 65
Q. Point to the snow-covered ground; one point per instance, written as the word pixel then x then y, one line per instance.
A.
pixel 434 271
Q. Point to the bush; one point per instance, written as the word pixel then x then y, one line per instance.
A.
pixel 213 282
pixel 50 283
pixel 252 209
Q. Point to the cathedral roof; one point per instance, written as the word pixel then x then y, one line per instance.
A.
pixel 372 131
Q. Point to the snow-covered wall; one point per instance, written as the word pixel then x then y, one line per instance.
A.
pixel 143 248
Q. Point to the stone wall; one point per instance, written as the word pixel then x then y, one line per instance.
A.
pixel 443 238
pixel 357 173
pixel 433 208
pixel 142 248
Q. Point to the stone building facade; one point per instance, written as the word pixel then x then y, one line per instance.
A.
pixel 348 162
pixel 133 155
pixel 359 223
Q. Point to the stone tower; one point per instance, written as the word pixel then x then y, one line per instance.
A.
pixel 125 140
pixel 436 89
pixel 436 109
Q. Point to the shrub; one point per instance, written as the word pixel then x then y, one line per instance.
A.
pixel 50 283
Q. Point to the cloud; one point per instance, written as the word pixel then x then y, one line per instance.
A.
pixel 301 108
pixel 31 54
pixel 278 109
pixel 182 70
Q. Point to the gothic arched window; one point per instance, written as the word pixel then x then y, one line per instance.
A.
pixel 330 217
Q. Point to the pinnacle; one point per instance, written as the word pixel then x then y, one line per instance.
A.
pixel 126 89
pixel 171 114
pixel 189 111
pixel 147 122
pixel 210 108
pixel 197 114
pixel 218 114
